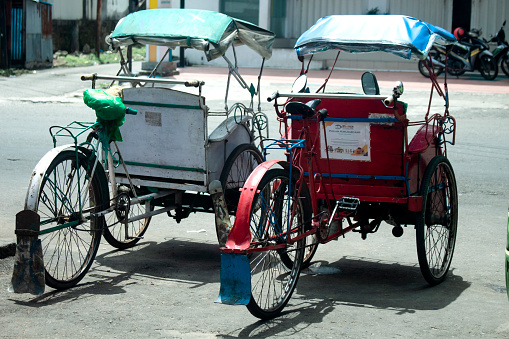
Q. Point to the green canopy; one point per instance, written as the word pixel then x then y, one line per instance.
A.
pixel 203 30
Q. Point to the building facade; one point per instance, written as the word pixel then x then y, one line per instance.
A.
pixel 26 34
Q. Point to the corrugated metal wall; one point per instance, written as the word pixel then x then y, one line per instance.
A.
pixel 39 44
pixel 436 12
pixel 489 15
pixel 302 14
pixel 16 34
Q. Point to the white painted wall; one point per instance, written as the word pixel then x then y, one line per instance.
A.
pixel 73 9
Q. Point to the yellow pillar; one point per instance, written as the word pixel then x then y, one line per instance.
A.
pixel 152 55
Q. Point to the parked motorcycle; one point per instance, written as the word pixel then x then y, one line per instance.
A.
pixel 501 53
pixel 469 54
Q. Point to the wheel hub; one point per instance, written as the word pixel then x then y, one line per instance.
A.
pixel 122 206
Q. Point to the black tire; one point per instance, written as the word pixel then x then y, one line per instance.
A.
pixel 311 247
pixel 436 224
pixel 504 64
pixel 69 252
pixel 436 55
pixel 237 168
pixel 115 232
pixel 488 67
pixel 272 282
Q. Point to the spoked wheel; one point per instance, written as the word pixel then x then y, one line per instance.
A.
pixel 237 168
pixel 504 63
pixel 488 67
pixel 116 232
pixel 71 242
pixel 272 281
pixel 436 224
pixel 435 55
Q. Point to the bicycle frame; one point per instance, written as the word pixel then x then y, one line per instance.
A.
pixel 102 155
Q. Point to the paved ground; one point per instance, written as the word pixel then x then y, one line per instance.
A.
pixel 166 286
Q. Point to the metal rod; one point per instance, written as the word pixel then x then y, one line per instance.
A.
pixel 331 96
pixel 136 79
pixel 149 214
pixel 159 63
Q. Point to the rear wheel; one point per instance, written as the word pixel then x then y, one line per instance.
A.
pixel 273 281
pixel 237 168
pixel 116 232
pixel 488 67
pixel 436 224
pixel 70 237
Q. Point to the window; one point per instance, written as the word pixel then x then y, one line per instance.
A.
pixel 241 9
pixel 278 17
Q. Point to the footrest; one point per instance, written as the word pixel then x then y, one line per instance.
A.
pixel 348 203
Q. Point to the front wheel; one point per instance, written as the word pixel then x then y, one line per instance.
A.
pixel 436 224
pixel 504 64
pixel 488 67
pixel 277 213
pixel 68 195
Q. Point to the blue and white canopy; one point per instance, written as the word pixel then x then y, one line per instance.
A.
pixel 398 34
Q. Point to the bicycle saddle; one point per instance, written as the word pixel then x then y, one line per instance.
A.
pixel 298 108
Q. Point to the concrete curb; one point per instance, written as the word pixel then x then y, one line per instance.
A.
pixel 7 249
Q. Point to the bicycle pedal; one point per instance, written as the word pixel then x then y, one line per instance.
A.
pixel 348 203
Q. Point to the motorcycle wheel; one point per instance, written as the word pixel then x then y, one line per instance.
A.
pixel 422 68
pixel 488 67
pixel 455 67
pixel 504 63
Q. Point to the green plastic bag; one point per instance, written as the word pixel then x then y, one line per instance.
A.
pixel 109 110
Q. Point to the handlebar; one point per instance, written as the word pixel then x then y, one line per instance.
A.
pixel 274 95
pixel 86 77
pixel 192 83
pixel 389 100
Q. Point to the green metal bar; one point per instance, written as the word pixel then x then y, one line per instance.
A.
pixel 155 104
pixel 59 227
pixel 59 196
pixel 189 169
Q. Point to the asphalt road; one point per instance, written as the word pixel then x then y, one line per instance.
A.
pixel 166 286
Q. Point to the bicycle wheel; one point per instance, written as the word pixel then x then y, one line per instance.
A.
pixel 436 224
pixel 504 63
pixel 273 282
pixel 488 67
pixel 237 168
pixel 115 232
pixel 436 56
pixel 68 252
